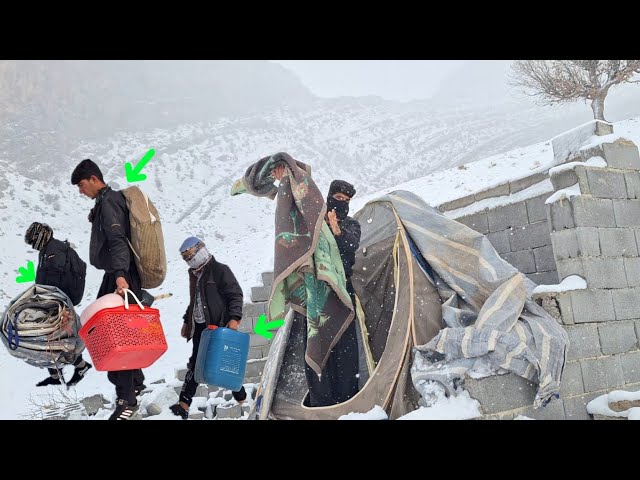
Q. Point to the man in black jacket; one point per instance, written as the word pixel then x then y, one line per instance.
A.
pixel 215 299
pixel 52 262
pixel 109 251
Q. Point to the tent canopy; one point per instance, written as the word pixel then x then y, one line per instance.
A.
pixel 434 294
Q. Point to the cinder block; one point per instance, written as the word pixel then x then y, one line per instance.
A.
pixel 602 128
pixel 606 183
pixel 575 408
pixel 592 305
pixel 196 416
pixel 477 221
pixel 255 368
pixel 566 308
pixel 560 214
pixel 544 278
pixel 216 392
pixel 254 310
pixel 181 374
pixel 499 191
pixel 584 342
pixel 526 182
pixel 254 353
pixel 630 363
pixel 583 181
pixel 604 272
pixel 246 325
pixel 202 391
pixel 602 373
pixel 457 203
pixel 502 218
pixel 593 212
pixel 500 241
pixel 530 236
pixel 563 179
pixel 571 383
pixel 570 266
pixel 544 258
pixel 632 180
pixel 632 269
pixel 627 213
pixel 618 242
pixel 554 410
pixel 267 278
pixel 536 209
pixel 499 393
pixel 257 340
pixel 617 337
pixel 228 412
pixel 565 244
pixel 626 303
pixel 566 147
pixel 588 241
pixel 621 154
pixel 522 260
pixel 153 409
pixel 260 294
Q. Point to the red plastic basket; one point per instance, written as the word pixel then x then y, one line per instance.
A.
pixel 124 338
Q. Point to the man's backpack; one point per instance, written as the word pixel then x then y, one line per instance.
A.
pixel 147 241
pixel 60 266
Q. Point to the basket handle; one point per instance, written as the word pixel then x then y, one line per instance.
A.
pixel 126 299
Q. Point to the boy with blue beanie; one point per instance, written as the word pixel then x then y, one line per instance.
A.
pixel 215 299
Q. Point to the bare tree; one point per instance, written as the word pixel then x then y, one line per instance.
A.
pixel 564 81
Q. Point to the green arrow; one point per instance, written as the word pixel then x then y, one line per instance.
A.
pixel 27 274
pixel 133 174
pixel 262 327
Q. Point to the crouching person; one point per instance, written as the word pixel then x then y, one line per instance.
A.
pixel 215 299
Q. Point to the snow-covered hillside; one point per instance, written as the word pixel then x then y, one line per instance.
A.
pixel 379 146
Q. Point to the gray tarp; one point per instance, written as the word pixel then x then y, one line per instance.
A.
pixel 430 286
pixel 43 324
pixel 487 307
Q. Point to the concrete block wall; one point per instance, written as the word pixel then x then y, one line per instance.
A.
pixel 594 236
pixel 519 231
pixel 597 236
pixel 259 346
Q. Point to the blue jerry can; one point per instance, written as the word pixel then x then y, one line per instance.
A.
pixel 222 358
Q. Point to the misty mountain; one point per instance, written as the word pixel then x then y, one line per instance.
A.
pixel 371 142
pixel 47 107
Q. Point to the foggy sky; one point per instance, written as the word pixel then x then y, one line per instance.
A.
pixel 390 79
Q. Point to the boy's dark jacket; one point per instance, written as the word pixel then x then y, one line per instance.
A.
pixel 222 298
